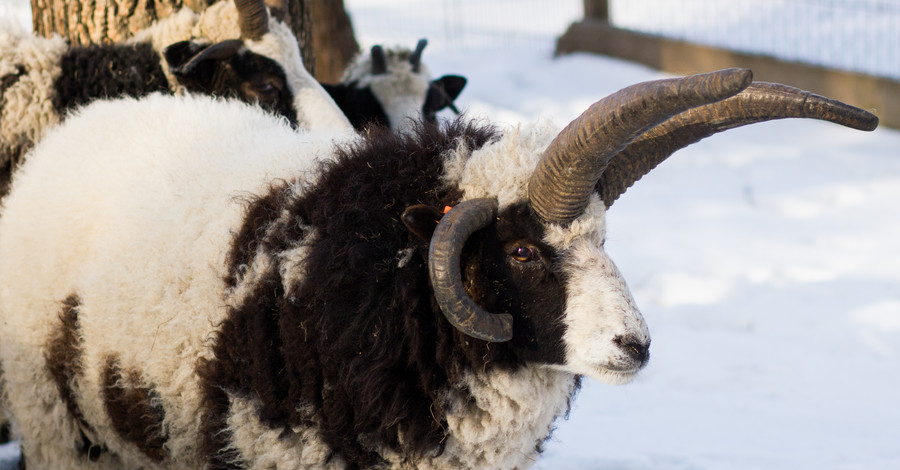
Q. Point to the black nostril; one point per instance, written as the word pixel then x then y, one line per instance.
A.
pixel 634 348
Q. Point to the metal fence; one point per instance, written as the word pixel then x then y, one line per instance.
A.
pixel 857 35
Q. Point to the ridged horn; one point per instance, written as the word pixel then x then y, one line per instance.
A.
pixel 757 103
pixel 415 59
pixel 252 18
pixel 562 183
pixel 446 278
pixel 379 61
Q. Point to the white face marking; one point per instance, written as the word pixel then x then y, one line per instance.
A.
pixel 600 311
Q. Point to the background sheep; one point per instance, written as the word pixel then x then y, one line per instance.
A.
pixel 393 88
pixel 321 340
pixel 41 79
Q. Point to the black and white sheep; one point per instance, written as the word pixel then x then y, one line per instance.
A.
pixel 393 88
pixel 43 78
pixel 206 288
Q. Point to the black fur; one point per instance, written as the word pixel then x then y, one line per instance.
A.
pixel 64 362
pixel 358 104
pixel 97 72
pixel 134 409
pixel 360 341
pixel 440 95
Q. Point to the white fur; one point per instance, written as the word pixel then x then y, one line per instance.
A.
pixel 137 223
pixel 26 107
pixel 400 90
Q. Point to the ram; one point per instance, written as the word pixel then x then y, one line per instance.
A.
pixel 217 291
pixel 393 88
pixel 43 78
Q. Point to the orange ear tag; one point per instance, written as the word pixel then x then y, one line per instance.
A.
pixel 447 209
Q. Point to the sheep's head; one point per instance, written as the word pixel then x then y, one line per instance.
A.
pixel 393 88
pixel 263 66
pixel 532 250
pixel 228 69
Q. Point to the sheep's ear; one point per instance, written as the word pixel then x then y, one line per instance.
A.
pixel 441 94
pixel 193 59
pixel 421 220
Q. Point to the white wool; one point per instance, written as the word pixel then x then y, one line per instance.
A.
pixel 502 169
pixel 511 414
pixel 179 208
pixel 26 107
pixel 263 447
pixel 169 30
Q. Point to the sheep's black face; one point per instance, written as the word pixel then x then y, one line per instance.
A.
pixel 227 69
pixel 259 79
pixel 508 268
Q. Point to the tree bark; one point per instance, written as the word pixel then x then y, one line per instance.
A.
pixel 334 44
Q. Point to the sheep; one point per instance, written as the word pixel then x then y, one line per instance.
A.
pixel 393 88
pixel 43 78
pixel 170 302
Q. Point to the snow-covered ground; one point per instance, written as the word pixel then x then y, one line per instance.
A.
pixel 766 261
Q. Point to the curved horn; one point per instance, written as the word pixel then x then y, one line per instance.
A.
pixel 444 271
pixel 757 103
pixel 379 61
pixel 415 59
pixel 562 183
pixel 252 18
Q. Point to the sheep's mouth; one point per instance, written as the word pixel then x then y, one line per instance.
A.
pixel 615 376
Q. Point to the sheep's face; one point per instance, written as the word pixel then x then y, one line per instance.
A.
pixel 571 308
pixel 400 90
pixel 570 305
pixel 228 69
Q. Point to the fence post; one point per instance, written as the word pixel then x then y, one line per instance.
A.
pixel 596 10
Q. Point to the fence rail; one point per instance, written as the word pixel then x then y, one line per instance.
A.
pixel 856 35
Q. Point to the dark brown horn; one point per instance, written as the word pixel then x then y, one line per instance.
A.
pixel 221 50
pixel 415 59
pixel 562 183
pixel 252 18
pixel 444 271
pixel 757 103
pixel 379 61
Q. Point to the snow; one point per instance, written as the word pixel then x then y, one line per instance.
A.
pixel 766 261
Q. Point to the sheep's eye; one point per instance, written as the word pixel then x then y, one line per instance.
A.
pixel 264 88
pixel 524 254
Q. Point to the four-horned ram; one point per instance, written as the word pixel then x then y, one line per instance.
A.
pixel 214 290
pixel 41 79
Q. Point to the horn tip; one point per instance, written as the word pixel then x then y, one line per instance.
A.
pixel 867 121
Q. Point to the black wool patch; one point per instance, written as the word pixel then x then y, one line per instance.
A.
pixel 358 349
pixel 98 72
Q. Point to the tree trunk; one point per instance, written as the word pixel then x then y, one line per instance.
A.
pixel 333 42
pixel 106 21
